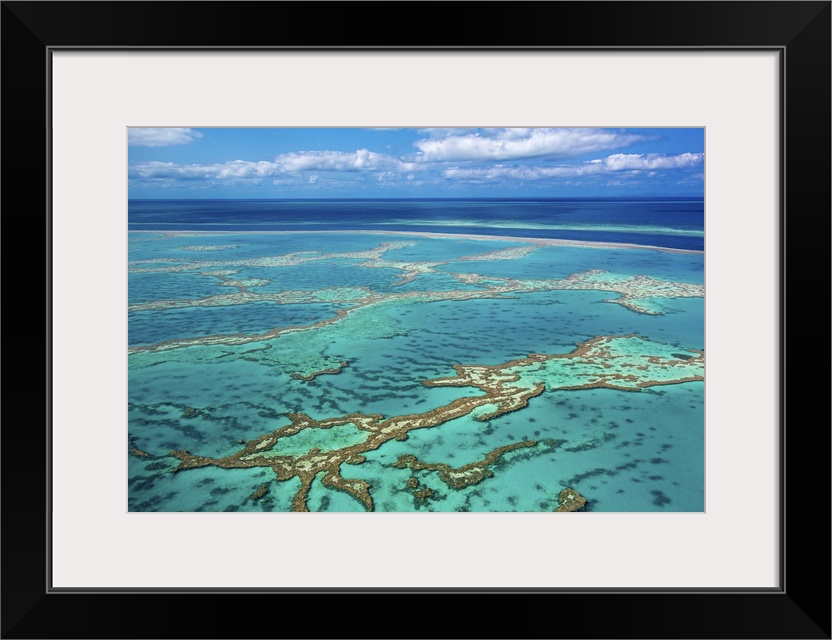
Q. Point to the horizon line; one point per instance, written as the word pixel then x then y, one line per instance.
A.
pixel 656 197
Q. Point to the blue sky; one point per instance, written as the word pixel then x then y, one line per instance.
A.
pixel 414 163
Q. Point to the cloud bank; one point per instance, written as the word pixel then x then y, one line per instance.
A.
pixel 518 143
pixel 439 159
pixel 160 137
pixel 633 163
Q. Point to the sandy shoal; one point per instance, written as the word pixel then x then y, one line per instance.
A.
pixel 541 242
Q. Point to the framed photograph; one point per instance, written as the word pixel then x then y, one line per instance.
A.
pixel 332 318
pixel 342 320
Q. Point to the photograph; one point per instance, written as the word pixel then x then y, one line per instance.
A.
pixel 371 308
pixel 500 319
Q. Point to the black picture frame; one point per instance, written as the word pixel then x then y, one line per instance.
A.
pixel 798 608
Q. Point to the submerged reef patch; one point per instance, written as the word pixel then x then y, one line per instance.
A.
pixel 460 477
pixel 628 363
pixel 638 293
pixel 324 372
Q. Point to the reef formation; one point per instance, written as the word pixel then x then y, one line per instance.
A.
pixel 312 451
pixel 570 500
pixel 626 363
pixel 639 293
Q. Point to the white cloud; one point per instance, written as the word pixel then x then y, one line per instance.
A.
pixel 243 169
pixel 284 165
pixel 288 169
pixel 522 173
pixel 516 143
pixel 361 160
pixel 622 162
pixel 501 153
pixel 160 137
pixel 236 169
pixel 632 164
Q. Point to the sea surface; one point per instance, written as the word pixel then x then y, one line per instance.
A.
pixel 406 355
pixel 658 222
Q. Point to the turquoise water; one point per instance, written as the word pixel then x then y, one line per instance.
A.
pixel 402 322
pixel 148 327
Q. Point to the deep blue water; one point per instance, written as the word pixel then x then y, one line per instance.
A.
pixel 677 223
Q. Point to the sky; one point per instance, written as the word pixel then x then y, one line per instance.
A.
pixel 415 163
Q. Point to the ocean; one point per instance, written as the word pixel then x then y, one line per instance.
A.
pixel 659 222
pixel 416 355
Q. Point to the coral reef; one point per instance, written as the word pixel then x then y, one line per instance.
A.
pixel 260 492
pixel 570 500
pixel 324 372
pixel 465 476
pixel 638 293
pixel 628 363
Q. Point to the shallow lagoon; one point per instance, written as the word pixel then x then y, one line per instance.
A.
pixel 622 450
